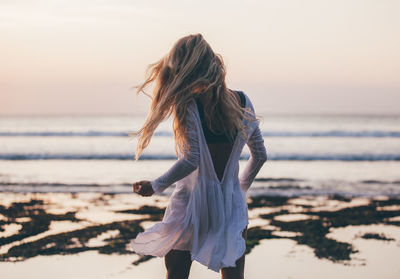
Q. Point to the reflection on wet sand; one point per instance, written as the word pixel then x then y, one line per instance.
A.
pixel 60 224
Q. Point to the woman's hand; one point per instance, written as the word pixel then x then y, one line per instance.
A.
pixel 143 188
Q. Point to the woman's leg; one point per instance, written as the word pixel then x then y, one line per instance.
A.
pixel 236 272
pixel 178 263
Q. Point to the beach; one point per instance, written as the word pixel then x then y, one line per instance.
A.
pixel 326 202
pixel 81 78
pixel 88 234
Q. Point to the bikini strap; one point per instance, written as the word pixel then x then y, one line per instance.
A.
pixel 242 98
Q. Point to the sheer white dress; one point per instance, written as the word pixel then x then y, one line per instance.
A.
pixel 205 215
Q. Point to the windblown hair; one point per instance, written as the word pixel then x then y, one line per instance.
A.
pixel 190 68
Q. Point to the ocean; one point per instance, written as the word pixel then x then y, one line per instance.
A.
pixel 355 155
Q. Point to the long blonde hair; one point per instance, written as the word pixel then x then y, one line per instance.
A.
pixel 188 69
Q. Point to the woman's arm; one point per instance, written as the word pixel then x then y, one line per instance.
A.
pixel 179 170
pixel 185 165
pixel 258 154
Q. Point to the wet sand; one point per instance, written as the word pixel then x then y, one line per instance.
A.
pixel 88 234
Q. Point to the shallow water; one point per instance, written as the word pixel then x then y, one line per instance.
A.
pixel 307 154
pixel 275 178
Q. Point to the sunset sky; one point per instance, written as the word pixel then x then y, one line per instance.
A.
pixel 311 56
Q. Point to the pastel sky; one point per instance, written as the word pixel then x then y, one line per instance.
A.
pixel 289 56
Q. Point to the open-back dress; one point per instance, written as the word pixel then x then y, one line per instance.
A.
pixel 207 212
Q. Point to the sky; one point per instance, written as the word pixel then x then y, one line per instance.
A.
pixel 289 56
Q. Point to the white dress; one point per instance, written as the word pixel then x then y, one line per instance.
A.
pixel 204 215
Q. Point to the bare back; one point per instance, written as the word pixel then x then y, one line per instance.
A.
pixel 220 151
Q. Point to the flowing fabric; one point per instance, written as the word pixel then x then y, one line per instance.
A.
pixel 205 215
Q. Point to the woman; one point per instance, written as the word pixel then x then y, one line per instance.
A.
pixel 207 216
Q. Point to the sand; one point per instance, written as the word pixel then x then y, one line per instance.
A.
pixel 87 234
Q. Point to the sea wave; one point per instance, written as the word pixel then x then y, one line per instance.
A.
pixel 334 133
pixel 273 157
pixel 279 180
pixel 331 133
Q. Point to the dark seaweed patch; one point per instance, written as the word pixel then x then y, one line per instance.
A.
pixel 145 209
pixel 339 197
pixel 142 259
pixel 290 187
pixel 156 213
pixel 273 214
pixel 68 242
pixel 376 236
pixel 313 231
pixel 263 201
pixel 39 219
pixel 313 235
pixel 75 241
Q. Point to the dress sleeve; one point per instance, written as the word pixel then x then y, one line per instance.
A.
pixel 258 156
pixel 186 164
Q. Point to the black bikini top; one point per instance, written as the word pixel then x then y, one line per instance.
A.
pixel 208 134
